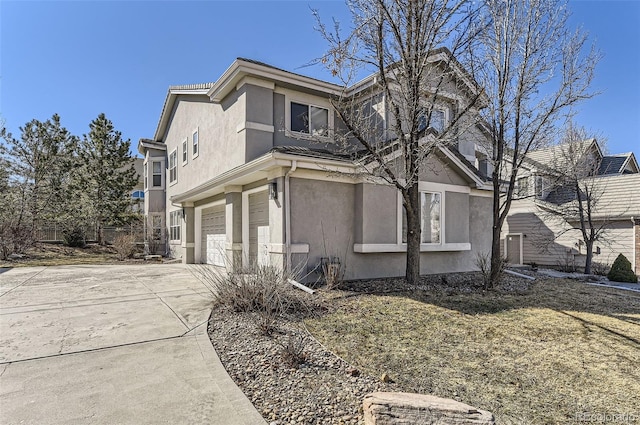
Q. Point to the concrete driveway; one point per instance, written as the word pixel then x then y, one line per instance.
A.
pixel 111 345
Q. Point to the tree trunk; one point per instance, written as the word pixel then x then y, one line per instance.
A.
pixel 413 236
pixel 100 235
pixel 496 256
pixel 588 260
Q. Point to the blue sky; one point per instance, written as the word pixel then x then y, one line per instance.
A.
pixel 81 58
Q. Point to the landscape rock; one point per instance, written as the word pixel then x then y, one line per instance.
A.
pixel 389 408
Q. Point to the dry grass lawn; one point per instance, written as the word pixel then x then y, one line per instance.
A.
pixel 542 357
pixel 45 254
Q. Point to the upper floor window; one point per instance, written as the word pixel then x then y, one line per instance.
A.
pixel 185 151
pixel 541 187
pixel 146 176
pixel 173 167
pixel 157 173
pixel 195 143
pixel 522 187
pixel 437 121
pixel 175 218
pixel 137 194
pixel 430 212
pixel 309 119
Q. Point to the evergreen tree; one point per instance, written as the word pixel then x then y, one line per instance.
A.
pixel 36 169
pixel 107 175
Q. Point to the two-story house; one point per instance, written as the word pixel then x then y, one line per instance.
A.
pixel 237 173
pixel 542 226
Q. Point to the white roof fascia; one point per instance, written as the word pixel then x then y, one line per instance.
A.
pixel 168 106
pixel 480 184
pixel 227 82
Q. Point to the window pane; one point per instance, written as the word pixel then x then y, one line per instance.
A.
pixel 157 168
pixel 319 121
pixel 157 180
pixel 430 217
pixel 437 120
pixel 195 143
pixel 184 151
pixel 299 117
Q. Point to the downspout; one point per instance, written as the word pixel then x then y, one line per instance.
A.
pixel 287 212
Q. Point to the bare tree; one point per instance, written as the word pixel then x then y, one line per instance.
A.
pixel 534 71
pixel 396 118
pixel 578 194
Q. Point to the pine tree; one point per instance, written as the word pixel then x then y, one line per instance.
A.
pixel 108 175
pixel 37 169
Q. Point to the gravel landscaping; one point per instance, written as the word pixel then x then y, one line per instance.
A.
pixel 322 388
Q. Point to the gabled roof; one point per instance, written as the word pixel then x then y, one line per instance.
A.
pixel 172 93
pixel 547 156
pixel 243 67
pixel 617 164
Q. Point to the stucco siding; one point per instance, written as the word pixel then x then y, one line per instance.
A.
pixel 219 145
pixel 377 210
pixel 435 170
pixel 327 214
pixel 456 217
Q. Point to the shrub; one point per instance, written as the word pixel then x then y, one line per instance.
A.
pixel 263 291
pixel 600 269
pixel 293 350
pixel 125 246
pixel 74 236
pixel 14 239
pixel 567 263
pixel 621 271
pixel 483 262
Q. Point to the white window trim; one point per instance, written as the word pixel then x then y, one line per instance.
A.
pixel 172 214
pixel 543 186
pixel 185 150
pixel 442 218
pixel 162 230
pixel 195 152
pixel 445 112
pixel 172 182
pixel 310 100
pixel 145 176
pixel 162 174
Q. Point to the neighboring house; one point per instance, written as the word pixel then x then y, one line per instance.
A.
pixel 532 233
pixel 236 176
pixel 137 194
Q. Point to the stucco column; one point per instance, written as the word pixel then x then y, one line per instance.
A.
pixel 233 226
pixel 188 238
pixel 277 247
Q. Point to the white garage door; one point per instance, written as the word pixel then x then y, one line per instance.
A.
pixel 213 236
pixel 259 228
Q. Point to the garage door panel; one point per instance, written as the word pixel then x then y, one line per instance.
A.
pixel 259 228
pixel 213 236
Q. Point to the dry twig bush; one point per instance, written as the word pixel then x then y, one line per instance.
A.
pixel 262 291
pixel 124 245
pixel 292 350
